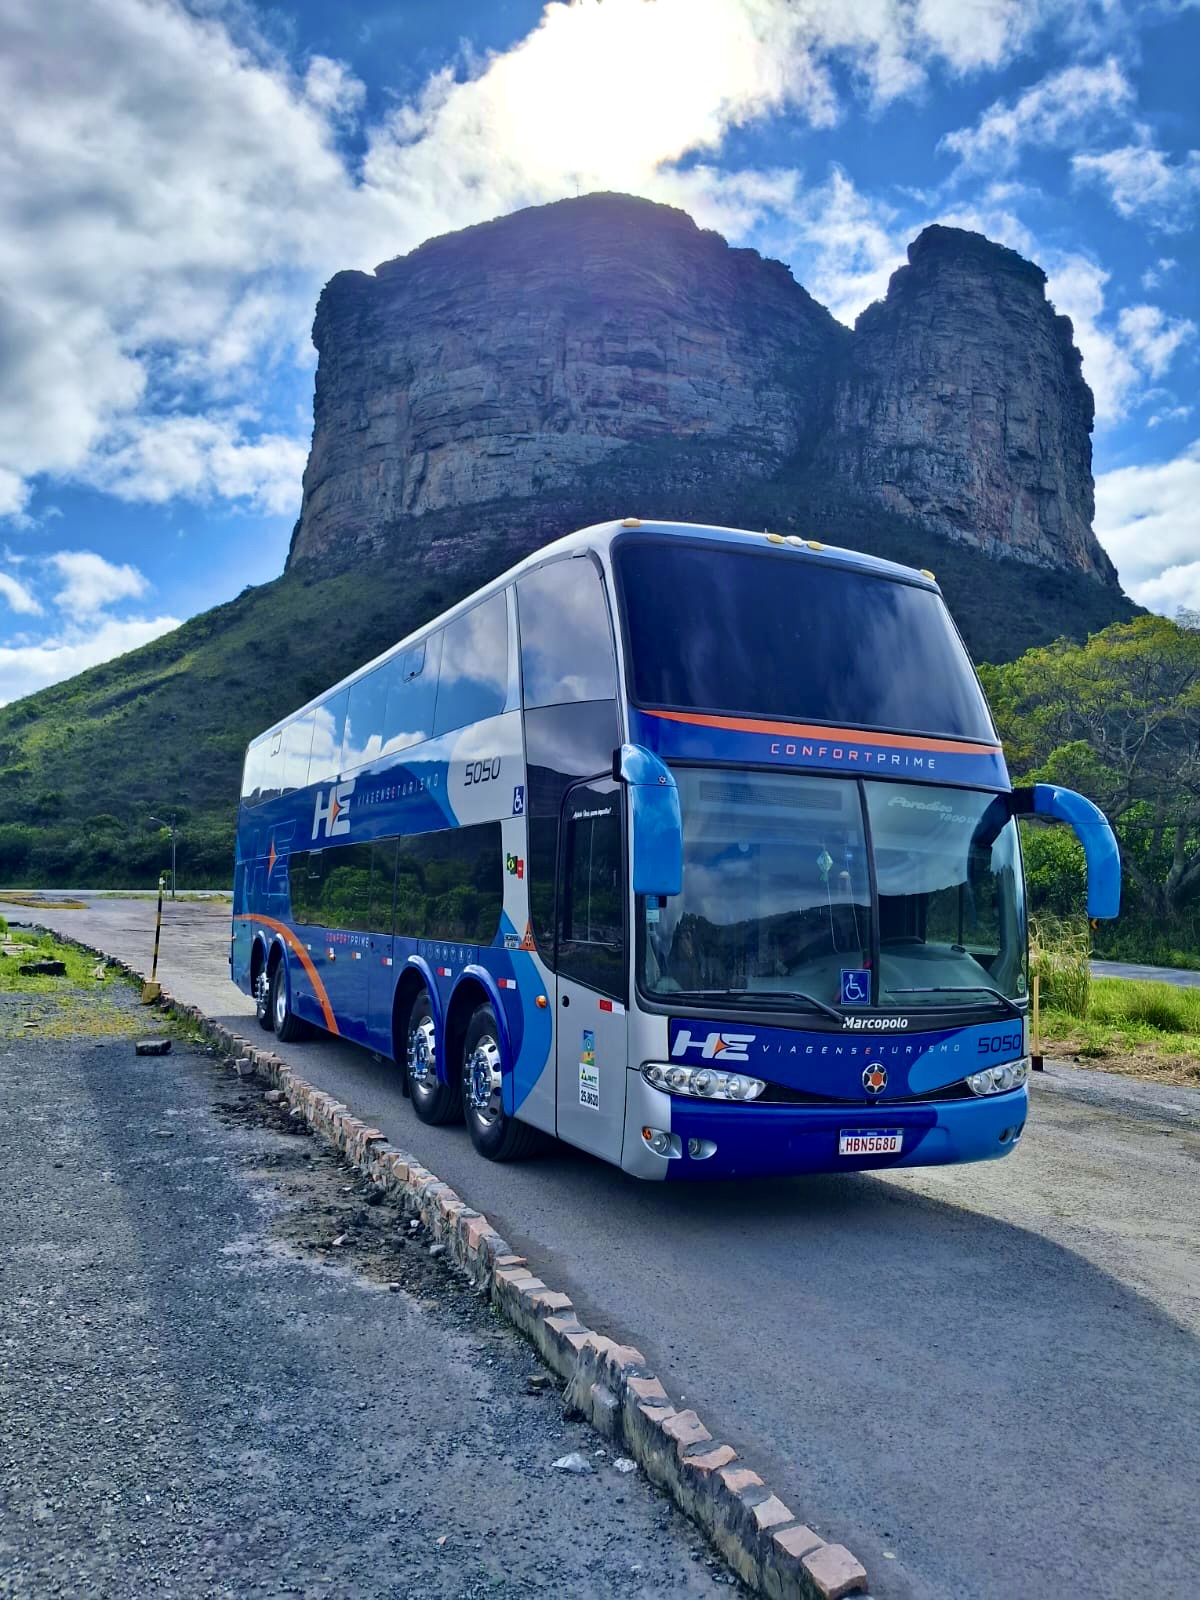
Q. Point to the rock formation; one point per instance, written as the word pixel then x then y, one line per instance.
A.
pixel 574 361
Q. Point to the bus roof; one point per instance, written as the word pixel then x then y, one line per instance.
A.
pixel 600 537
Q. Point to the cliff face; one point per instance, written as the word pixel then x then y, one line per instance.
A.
pixel 579 360
pixel 962 403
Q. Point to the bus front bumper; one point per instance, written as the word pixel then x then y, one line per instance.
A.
pixel 709 1139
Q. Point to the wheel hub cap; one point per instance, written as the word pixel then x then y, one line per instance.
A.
pixel 484 1079
pixel 422 1054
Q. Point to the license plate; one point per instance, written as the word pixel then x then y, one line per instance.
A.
pixel 870 1142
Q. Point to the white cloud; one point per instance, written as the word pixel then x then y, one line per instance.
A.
pixel 19 598
pixel 201 457
pixel 1121 360
pixel 1058 110
pixel 1142 182
pixel 91 582
pixel 26 668
pixel 1155 276
pixel 845 244
pixel 1169 414
pixel 1148 519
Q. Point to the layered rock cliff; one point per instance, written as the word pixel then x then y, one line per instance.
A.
pixel 576 361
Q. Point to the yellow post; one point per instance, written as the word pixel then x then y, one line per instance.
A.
pixel 152 990
pixel 1036 1047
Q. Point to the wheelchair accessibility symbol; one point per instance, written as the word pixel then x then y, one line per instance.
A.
pixel 856 986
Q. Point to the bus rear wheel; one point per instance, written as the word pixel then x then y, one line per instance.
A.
pixel 434 1102
pixel 288 1026
pixel 494 1134
pixel 262 1000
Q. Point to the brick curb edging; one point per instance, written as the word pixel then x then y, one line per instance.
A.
pixel 607 1383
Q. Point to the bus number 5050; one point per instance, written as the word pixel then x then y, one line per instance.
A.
pixel 481 772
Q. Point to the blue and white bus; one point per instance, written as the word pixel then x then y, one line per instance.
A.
pixel 690 846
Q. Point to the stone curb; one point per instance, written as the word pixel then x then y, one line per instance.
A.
pixel 607 1383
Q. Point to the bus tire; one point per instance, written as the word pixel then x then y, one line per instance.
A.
pixel 288 1026
pixel 494 1134
pixel 262 999
pixel 435 1103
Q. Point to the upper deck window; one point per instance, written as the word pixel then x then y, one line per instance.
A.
pixel 776 634
pixel 566 640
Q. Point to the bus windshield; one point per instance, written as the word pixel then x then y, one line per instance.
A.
pixel 777 895
pixel 765 634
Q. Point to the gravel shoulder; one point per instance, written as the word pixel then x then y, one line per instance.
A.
pixel 225 1370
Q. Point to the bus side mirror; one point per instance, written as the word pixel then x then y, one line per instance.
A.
pixel 655 820
pixel 1092 829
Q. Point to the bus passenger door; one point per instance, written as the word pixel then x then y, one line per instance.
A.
pixel 591 1034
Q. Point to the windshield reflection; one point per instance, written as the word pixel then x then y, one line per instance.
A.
pixel 776 891
pixel 776 894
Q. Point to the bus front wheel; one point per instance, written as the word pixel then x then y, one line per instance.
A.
pixel 494 1134
pixel 433 1101
pixel 287 1024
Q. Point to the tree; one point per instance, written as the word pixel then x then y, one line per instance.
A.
pixel 1118 719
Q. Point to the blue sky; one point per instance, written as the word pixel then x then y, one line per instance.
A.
pixel 177 181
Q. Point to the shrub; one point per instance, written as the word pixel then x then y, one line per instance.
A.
pixel 1059 953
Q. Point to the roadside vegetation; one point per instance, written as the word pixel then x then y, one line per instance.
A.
pixel 1117 718
pixel 1151 1030
pixel 89 999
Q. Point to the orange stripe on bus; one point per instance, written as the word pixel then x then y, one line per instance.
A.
pixel 800 730
pixel 293 943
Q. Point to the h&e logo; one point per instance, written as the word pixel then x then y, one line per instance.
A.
pixel 727 1046
pixel 334 813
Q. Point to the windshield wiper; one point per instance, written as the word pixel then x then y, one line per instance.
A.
pixel 786 996
pixel 1010 1006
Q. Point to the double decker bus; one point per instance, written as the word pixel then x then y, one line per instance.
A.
pixel 690 846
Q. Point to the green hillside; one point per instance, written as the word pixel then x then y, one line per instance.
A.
pixel 84 764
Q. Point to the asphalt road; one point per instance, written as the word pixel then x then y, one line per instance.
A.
pixel 203 1397
pixel 1184 979
pixel 981 1379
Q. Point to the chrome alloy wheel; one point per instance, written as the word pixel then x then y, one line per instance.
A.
pixel 280 1006
pixel 262 998
pixel 482 1080
pixel 422 1054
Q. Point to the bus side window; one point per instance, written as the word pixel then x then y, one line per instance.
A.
pixel 304 885
pixel 383 886
pixel 473 682
pixel 346 888
pixel 412 680
pixel 450 884
pixel 591 933
pixel 252 773
pixel 297 743
pixel 328 730
pixel 363 737
pixel 270 773
pixel 566 640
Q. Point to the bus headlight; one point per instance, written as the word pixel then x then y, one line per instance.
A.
pixel 997 1080
pixel 703 1083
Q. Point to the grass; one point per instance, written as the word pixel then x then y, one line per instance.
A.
pixel 1059 953
pixel 1132 1025
pixel 76 1005
pixel 18 897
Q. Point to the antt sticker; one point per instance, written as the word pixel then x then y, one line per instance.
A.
pixel 589 1078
